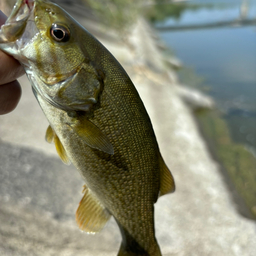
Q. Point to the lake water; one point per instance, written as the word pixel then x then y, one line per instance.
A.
pixel 225 56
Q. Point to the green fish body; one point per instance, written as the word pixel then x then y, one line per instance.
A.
pixel 97 121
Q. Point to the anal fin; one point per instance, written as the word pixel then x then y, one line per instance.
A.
pixel 91 215
pixel 167 184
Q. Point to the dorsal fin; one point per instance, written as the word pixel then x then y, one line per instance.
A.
pixel 91 215
pixel 167 184
pixel 50 137
pixel 92 135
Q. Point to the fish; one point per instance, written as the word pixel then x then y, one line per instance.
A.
pixel 97 121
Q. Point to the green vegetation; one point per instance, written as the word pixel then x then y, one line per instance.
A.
pixel 118 14
pixel 161 11
pixel 242 125
pixel 237 161
pixel 121 14
pixel 165 9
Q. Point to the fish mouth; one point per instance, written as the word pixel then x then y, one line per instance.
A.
pixel 21 10
pixel 15 25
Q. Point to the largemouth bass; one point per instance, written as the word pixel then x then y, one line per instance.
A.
pixel 97 121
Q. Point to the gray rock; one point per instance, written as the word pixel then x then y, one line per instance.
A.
pixel 194 98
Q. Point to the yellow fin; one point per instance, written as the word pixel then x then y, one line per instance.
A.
pixel 61 150
pixel 91 215
pixel 92 135
pixel 167 184
pixel 49 136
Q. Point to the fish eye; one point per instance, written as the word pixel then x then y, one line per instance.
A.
pixel 60 33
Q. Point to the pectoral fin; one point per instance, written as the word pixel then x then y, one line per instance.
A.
pixel 91 215
pixel 167 184
pixel 92 135
pixel 50 137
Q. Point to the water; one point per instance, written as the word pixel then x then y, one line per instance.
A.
pixel 224 56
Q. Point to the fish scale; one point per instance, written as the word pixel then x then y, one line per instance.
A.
pixel 127 217
pixel 96 120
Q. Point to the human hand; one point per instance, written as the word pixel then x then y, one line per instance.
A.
pixel 10 70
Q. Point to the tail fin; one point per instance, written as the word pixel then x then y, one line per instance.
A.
pixel 130 247
pixel 136 250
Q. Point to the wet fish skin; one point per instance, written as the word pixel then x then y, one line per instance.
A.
pixel 98 122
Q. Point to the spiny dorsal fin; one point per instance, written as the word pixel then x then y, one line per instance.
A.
pixel 92 135
pixel 49 136
pixel 167 184
pixel 91 215
pixel 61 150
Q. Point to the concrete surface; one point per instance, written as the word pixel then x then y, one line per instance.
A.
pixel 39 195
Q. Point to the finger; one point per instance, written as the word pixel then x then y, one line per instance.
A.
pixel 10 90
pixel 9 97
pixel 3 18
pixel 10 69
